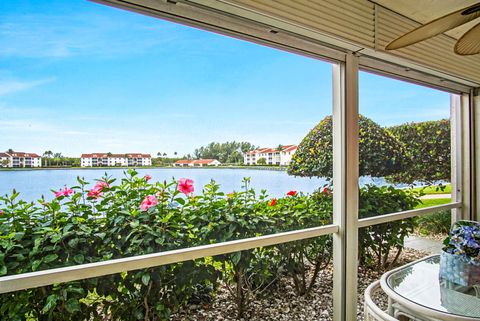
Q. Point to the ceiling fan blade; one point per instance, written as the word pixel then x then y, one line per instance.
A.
pixel 469 43
pixel 436 27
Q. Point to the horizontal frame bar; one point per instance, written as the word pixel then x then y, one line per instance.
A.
pixel 84 271
pixel 369 221
pixel 200 16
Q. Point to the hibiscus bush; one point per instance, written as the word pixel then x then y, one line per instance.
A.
pixel 112 219
pixel 378 243
pixel 299 211
pixel 84 224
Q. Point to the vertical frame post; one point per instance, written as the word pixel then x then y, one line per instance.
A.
pixel 466 172
pixel 475 107
pixel 345 188
pixel 456 153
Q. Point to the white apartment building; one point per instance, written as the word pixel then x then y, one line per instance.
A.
pixel 20 159
pixel 112 160
pixel 272 156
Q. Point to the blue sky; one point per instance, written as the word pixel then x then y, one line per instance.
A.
pixel 79 77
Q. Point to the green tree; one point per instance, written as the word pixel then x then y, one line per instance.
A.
pixel 262 161
pixel 381 153
pixel 47 155
pixel 428 147
pixel 228 152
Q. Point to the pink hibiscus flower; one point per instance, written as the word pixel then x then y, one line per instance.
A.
pixel 185 185
pixel 95 192
pixel 64 192
pixel 101 185
pixel 1 212
pixel 148 202
pixel 148 177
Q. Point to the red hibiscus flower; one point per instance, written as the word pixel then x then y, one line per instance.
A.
pixel 292 193
pixel 272 202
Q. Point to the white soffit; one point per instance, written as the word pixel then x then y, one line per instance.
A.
pixel 349 25
pixel 348 19
pixel 427 10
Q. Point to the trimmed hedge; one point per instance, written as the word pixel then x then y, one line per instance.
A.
pixel 381 154
pixel 428 145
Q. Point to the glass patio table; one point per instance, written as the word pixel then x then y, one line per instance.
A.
pixel 415 290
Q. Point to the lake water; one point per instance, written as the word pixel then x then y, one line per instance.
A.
pixel 33 183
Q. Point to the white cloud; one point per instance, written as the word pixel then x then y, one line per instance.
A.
pixel 60 36
pixel 11 86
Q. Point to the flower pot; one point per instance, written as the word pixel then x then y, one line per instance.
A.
pixel 459 270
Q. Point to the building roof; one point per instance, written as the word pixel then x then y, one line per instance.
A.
pixel 204 161
pixel 196 161
pixel 107 155
pixel 285 148
pixel 21 154
pixel 183 161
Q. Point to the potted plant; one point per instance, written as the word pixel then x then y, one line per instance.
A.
pixel 460 257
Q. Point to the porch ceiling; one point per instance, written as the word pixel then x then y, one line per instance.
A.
pixel 327 28
pixel 427 10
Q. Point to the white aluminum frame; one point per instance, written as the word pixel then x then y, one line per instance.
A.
pixel 345 114
pixel 345 185
pixel 84 271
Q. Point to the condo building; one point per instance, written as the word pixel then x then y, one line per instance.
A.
pixel 20 159
pixel 112 160
pixel 272 156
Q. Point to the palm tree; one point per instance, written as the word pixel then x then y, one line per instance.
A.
pixel 47 154
pixel 164 154
pixel 10 151
pixel 175 153
pixel 57 158
pixel 159 154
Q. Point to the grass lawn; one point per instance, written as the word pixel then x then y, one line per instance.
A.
pixel 433 202
pixel 433 189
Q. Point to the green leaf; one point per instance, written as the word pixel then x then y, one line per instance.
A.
pixel 236 257
pixel 134 224
pixel 180 200
pixel 50 304
pixel 50 258
pixel 79 258
pixel 3 270
pixel 36 264
pixel 73 243
pixel 145 278
pixel 72 305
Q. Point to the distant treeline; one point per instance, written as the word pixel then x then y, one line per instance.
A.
pixel 225 153
pixel 51 159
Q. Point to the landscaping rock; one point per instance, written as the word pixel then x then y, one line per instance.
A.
pixel 282 304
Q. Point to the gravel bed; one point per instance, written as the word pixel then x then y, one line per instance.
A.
pixel 434 237
pixel 282 304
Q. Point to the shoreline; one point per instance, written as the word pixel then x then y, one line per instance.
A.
pixel 270 168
